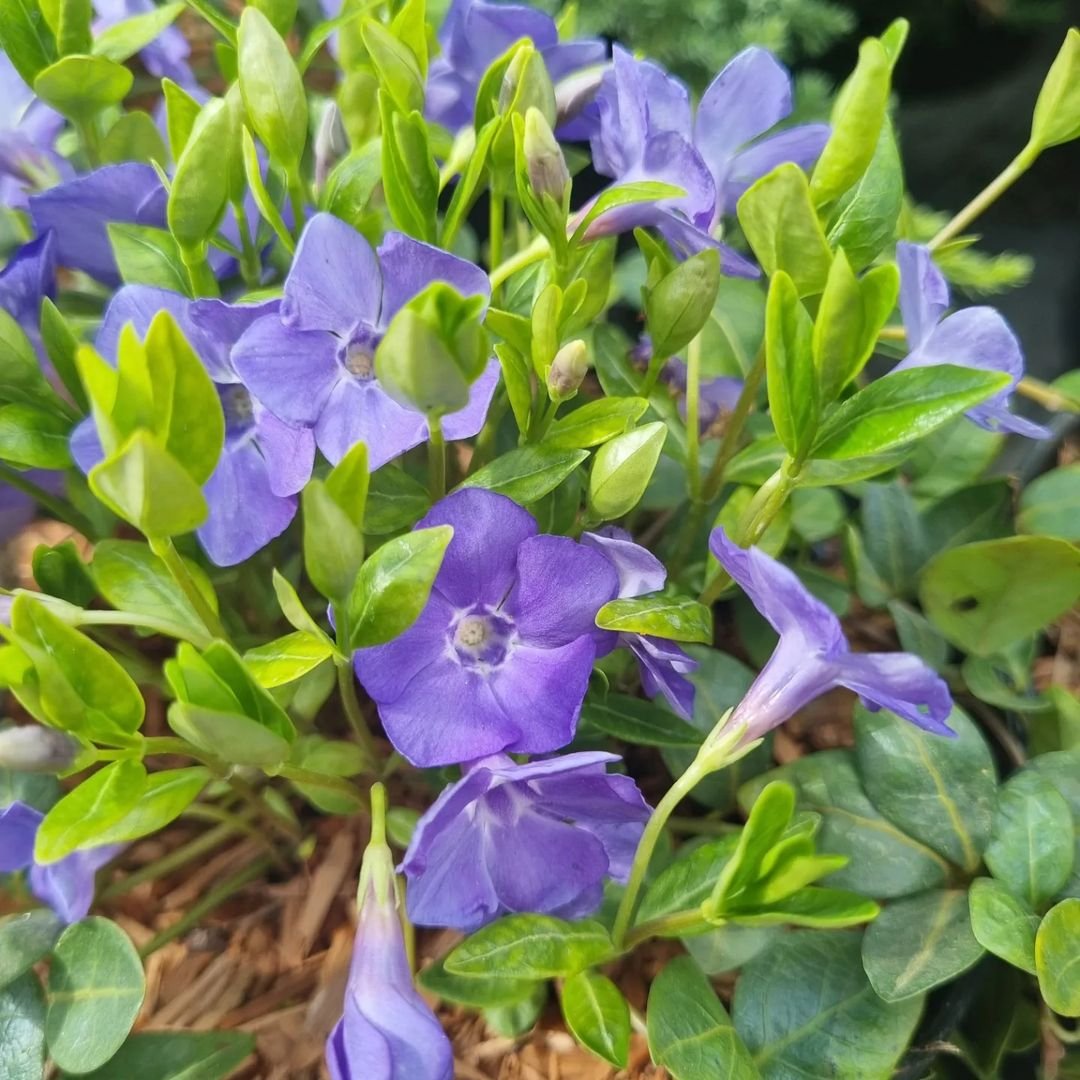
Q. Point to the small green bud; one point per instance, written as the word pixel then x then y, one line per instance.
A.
pixel 36 749
pixel 679 304
pixel 331 143
pixel 1057 112
pixel 548 174
pixel 526 84
pixel 568 370
pixel 622 470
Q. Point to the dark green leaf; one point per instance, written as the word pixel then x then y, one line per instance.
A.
pixel 22 1029
pixel 527 473
pixel 25 939
pixel 476 991
pixel 1050 504
pixel 978 512
pixel 177 1055
pixel 639 722
pixel 395 501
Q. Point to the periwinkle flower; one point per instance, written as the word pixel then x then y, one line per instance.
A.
pixel 27 279
pixel 500 658
pixel 717 397
pixel 166 57
pixel 387 1031
pixel 252 494
pixel 506 838
pixel 474 34
pixel 976 337
pixel 644 129
pixel 663 664
pixel 813 655
pixel 67 886
pixel 313 363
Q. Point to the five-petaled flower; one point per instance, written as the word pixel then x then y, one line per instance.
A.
pixel 500 658
pixel 976 337
pixel 67 886
pixel 313 363
pixel 540 837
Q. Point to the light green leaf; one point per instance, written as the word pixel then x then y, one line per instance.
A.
pixel 287 658
pixel 1057 957
pixel 597 1015
pixel 124 39
pixel 81 86
pixel 527 473
pixel 34 438
pixel 1057 112
pixel 677 618
pixel 26 38
pixel 622 469
pixel 167 795
pixel 789 365
pixel 594 423
pixel 147 256
pixel 1002 923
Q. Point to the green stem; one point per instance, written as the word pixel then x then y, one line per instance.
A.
pixel 201 277
pixel 1047 396
pixel 693 429
pixel 55 506
pixel 652 376
pixel 736 422
pixel 90 138
pixel 317 779
pixel 351 704
pixel 667 926
pixel 988 196
pixel 166 551
pixel 210 812
pixel 538 430
pixel 534 253
pixel 296 201
pixel 145 622
pixel 170 744
pixel 262 809
pixel 496 227
pixel 250 268
pixel 436 458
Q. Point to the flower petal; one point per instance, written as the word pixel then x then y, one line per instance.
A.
pixel 18 829
pixel 924 293
pixel 901 683
pixel 801 145
pixel 467 422
pixel 663 666
pixel 639 570
pixel 360 411
pixel 289 451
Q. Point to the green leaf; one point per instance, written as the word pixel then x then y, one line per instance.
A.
pixel 789 365
pixel 132 578
pixel 395 501
pixel 1050 504
pixel 940 791
pixel 177 1055
pixel 679 305
pixel 830 1022
pixel 147 256
pixel 329 758
pixel 167 795
pixel 33 438
pixel 918 943
pixel 288 658
pixel 1057 946
pixel 21 377
pixel 1031 844
pixel 150 489
pixel 1056 118
pixel 979 512
pixel 26 38
pixel 1002 923
pixel 181 112
pixel 782 227
pixel 81 86
pixel 527 473
pixel 690 1034
pixel 87 811
pixel 25 939
pixel 272 89
pixel 624 195
pixel 333 544
pixel 730 946
pixel 621 471
pixel 597 1015
pixel 987 595
pixel 83 689
pixel 594 423
pixel 124 39
pixel 234 738
pixel 901 408
pixel 22 1022
pixel 917 636
pixel 134 137
pixel 95 990
pixel 687 882
pixel 639 722
pixel 263 199
pixel 394 584
pixel 396 64
pixel 531 947
pixel 475 991
pixel 677 618
pixel 893 534
pixel 61 344
pixel 1062 769
pixel 822 908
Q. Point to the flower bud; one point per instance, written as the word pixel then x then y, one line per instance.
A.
pixel 568 370
pixel 548 174
pixel 37 749
pixel 331 143
pixel 526 84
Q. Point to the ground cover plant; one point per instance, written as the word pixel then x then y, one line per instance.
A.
pixel 455 434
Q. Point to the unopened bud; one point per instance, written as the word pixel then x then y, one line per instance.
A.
pixel 548 174
pixel 567 371
pixel 37 749
pixel 526 84
pixel 331 143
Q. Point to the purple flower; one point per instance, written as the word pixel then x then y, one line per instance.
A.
pixel 507 838
pixel 251 495
pixel 28 131
pixel 643 129
pixel 717 397
pixel 66 886
pixel 976 337
pixel 166 57
pixel 314 363
pixel 663 665
pixel 813 656
pixel 29 277
pixel 500 658
pixel 474 34
pixel 387 1031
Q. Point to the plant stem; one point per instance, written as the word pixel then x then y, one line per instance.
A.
pixel 1047 396
pixel 55 506
pixel 166 551
pixel 90 138
pixel 652 376
pixel 736 422
pixel 436 458
pixel 534 253
pixel 347 690
pixel 496 223
pixel 250 269
pixel 201 277
pixel 260 808
pixel 666 926
pixel 145 622
pixel 693 412
pixel 538 430
pixel 988 196
pixel 296 201
pixel 211 812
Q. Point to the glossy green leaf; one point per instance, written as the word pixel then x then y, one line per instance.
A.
pixel 677 307
pixel 893 535
pixel 1050 504
pixel 598 1016
pixel 235 738
pixel 1057 945
pixel 147 256
pixel 25 938
pixel 690 1033
pixel 288 658
pixel 21 377
pixel 677 618
pixel 1056 118
pixel 26 38
pixel 622 469
pixel 394 584
pixel 124 39
pixel 986 595
pixel 789 365
pixel 640 722
pixel 333 545
pixel 87 811
pixel 1002 923
pixel 167 795
pixel 527 473
pixel 34 438
pixel 81 86
pixel 61 345
pixel 95 990
pixel 531 947
pixel 686 883
pixel 476 991
pixel 134 137
pixel 624 195
pixel 940 791
pixel 918 943
pixel 594 423
pixel 178 1055
pixel 396 64
pixel 395 501
pixel 22 1022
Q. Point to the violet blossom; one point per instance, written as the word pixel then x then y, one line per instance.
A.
pixel 541 837
pixel 387 1031
pixel 813 655
pixel 313 363
pixel 67 886
pixel 27 279
pixel 717 397
pixel 252 494
pixel 500 658
pixel 644 129
pixel 975 337
pixel 663 664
